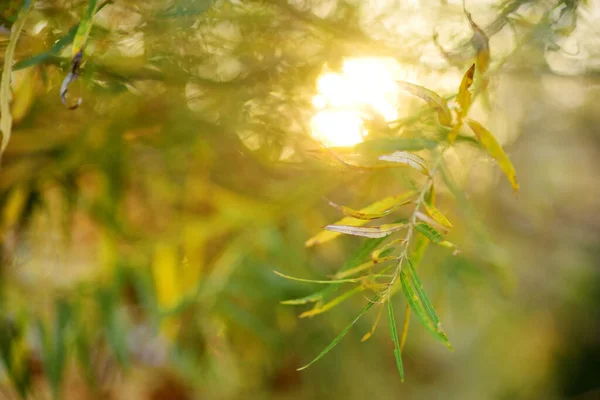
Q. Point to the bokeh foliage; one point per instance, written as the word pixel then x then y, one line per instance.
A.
pixel 140 231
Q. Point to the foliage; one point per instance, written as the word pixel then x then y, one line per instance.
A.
pixel 140 227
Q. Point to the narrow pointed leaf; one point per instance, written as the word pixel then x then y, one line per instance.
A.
pixel 394 336
pixel 434 100
pixel 429 232
pixel 489 142
pixel 419 292
pixel 367 216
pixel 368 335
pixel 437 215
pixel 85 27
pixel 404 157
pixel 313 298
pixel 342 334
pixel 335 302
pixel 367 231
pixel 464 96
pixel 366 265
pixel 377 207
pixel 293 278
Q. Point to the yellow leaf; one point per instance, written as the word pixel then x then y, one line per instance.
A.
pixel 489 142
pixel 434 100
pixel 437 215
pixel 377 207
pixel 464 99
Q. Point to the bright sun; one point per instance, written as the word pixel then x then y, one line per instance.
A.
pixel 363 86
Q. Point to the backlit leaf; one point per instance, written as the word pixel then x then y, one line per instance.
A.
pixel 342 334
pixel 434 100
pixel 377 207
pixel 481 43
pixel 407 158
pixel 489 142
pixel 367 217
pixel 367 231
pixel 383 145
pixel 463 99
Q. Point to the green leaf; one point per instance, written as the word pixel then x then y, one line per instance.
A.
pixel 489 142
pixel 367 231
pixel 367 217
pixel 430 233
pixel 434 100
pixel 85 27
pixel 394 336
pixel 410 159
pixel 342 334
pixel 377 207
pixel 420 303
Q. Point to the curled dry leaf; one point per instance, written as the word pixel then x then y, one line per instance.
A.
pixel 410 159
pixel 434 100
pixel 367 231
pixel 377 207
pixel 481 43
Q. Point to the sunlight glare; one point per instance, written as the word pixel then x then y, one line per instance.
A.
pixel 364 85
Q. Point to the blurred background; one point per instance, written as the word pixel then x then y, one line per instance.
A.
pixel 139 232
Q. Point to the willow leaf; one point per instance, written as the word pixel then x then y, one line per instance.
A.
pixel 350 212
pixel 313 298
pixel 464 96
pixel 342 334
pixel 437 215
pixel 367 231
pixel 394 336
pixel 332 281
pixel 362 267
pixel 85 27
pixel 329 305
pixel 404 157
pixel 368 335
pixel 429 232
pixel 434 100
pixel 377 207
pixel 426 304
pixel 489 142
